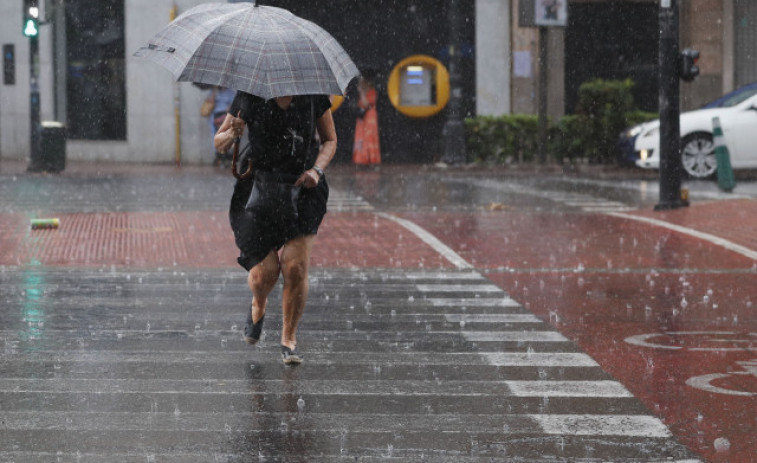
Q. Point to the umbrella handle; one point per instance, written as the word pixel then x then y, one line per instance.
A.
pixel 234 159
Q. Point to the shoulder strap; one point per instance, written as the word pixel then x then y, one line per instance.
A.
pixel 312 127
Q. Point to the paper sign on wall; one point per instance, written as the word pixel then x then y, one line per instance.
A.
pixel 551 12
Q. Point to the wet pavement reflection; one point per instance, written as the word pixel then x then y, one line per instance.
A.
pixel 453 316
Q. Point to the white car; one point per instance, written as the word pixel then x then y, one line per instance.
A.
pixel 738 118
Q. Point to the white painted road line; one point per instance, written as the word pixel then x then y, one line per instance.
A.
pixel 430 240
pixel 567 389
pixel 515 336
pixel 227 387
pixel 602 425
pixel 459 288
pixel 473 302
pixel 493 318
pixel 441 276
pixel 553 359
pixel 731 246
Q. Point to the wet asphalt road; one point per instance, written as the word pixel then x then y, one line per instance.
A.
pixel 406 362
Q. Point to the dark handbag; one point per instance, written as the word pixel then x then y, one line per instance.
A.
pixel 274 196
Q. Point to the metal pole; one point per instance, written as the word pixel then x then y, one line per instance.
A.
pixel 454 130
pixel 543 55
pixel 34 104
pixel 176 106
pixel 670 111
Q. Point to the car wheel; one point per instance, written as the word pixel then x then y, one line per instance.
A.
pixel 698 155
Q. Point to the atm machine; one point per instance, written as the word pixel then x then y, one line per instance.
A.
pixel 418 86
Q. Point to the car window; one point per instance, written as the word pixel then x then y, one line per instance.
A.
pixel 733 98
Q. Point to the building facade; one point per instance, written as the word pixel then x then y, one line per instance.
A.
pixel 120 108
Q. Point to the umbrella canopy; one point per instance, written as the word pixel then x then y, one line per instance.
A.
pixel 262 50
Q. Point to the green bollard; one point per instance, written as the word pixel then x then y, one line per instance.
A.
pixel 726 181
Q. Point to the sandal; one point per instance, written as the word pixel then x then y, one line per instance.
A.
pixel 290 356
pixel 252 331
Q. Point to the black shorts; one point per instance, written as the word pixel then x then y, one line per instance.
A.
pixel 257 238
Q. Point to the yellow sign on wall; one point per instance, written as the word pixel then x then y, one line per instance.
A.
pixel 419 86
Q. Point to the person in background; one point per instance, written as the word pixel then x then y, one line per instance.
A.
pixel 366 150
pixel 221 98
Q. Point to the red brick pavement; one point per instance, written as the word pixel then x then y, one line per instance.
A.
pixel 527 239
pixel 734 220
pixel 486 239
pixel 200 239
pixel 601 279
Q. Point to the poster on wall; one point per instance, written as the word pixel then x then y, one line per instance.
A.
pixel 551 12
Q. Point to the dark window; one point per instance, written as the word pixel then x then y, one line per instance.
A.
pixel 96 90
pixel 612 40
pixel 9 64
pixel 746 41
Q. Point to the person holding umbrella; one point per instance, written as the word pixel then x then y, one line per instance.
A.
pixel 281 131
pixel 283 68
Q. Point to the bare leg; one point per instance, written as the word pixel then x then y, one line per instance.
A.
pixel 295 262
pixel 261 279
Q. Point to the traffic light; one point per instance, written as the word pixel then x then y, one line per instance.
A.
pixel 31 19
pixel 688 64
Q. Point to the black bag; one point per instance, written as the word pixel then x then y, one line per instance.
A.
pixel 274 197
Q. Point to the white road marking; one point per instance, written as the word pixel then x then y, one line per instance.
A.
pixel 704 383
pixel 459 288
pixel 473 302
pixel 528 359
pixel 731 246
pixel 568 389
pixel 430 240
pixel 516 336
pixel 493 318
pixel 602 425
pixel 441 276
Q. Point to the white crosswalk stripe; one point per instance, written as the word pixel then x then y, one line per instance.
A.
pixel 340 201
pixel 410 361
pixel 585 202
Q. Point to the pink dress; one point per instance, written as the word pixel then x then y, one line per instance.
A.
pixel 366 149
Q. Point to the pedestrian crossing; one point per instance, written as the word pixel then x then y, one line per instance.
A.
pixel 124 193
pixel 342 201
pixel 584 202
pixel 400 365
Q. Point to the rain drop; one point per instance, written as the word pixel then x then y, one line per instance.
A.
pixel 722 444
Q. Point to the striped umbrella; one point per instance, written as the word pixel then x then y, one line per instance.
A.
pixel 262 50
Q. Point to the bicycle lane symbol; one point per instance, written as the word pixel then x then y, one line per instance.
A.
pixel 708 341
